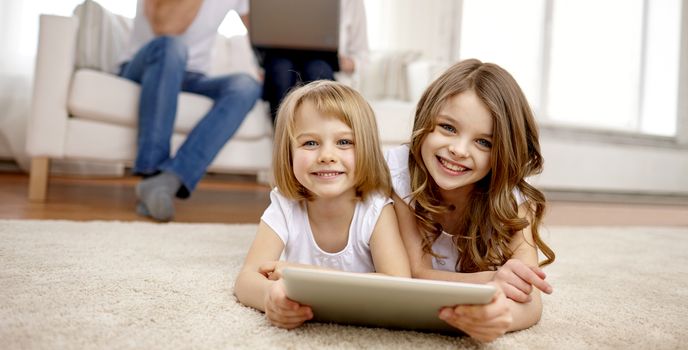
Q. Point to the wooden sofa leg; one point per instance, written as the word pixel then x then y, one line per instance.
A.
pixel 38 179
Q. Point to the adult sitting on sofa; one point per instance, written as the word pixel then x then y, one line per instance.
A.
pixel 85 117
pixel 169 52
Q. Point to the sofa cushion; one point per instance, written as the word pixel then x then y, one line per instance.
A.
pixel 108 98
pixel 102 37
pixel 85 141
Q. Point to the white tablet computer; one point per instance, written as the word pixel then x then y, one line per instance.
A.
pixel 380 301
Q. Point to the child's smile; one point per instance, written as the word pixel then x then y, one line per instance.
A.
pixel 457 152
pixel 327 174
pixel 452 167
pixel 323 153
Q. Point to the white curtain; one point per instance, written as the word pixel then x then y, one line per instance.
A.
pixel 18 42
pixel 429 27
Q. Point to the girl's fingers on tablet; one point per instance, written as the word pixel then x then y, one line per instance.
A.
pixel 284 303
pixel 301 314
pixel 477 313
pixel 288 318
pixel 286 324
pixel 483 334
pixel 483 331
pixel 267 267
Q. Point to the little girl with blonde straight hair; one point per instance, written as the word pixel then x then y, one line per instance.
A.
pixel 331 205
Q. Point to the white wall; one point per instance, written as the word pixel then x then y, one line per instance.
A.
pixel 621 163
pixel 602 166
pixel 426 26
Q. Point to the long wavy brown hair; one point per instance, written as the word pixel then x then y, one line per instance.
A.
pixel 491 220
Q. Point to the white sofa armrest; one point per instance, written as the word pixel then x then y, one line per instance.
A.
pixel 47 122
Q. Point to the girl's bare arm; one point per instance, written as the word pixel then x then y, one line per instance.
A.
pixel 251 286
pixel 523 267
pixel 386 246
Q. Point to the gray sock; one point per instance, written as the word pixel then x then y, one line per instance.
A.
pixel 141 209
pixel 156 195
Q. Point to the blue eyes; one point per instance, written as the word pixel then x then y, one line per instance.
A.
pixel 448 128
pixel 341 143
pixel 452 130
pixel 484 143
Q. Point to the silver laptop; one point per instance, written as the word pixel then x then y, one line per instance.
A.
pixel 294 24
pixel 380 301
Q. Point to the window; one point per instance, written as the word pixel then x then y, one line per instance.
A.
pixel 605 64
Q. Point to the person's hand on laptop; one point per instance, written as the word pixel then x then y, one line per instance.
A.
pixel 485 322
pixel 517 280
pixel 283 312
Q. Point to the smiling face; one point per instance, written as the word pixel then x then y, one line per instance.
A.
pixel 323 154
pixel 457 152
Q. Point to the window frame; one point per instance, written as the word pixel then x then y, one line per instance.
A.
pixel 632 135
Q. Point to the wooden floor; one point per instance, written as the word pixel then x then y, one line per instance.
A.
pixel 225 199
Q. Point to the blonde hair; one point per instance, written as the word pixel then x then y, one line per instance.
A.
pixel 337 100
pixel 491 219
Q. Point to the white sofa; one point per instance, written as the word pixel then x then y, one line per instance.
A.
pixel 85 114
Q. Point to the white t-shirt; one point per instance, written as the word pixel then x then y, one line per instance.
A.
pixel 199 37
pixel 397 160
pixel 289 219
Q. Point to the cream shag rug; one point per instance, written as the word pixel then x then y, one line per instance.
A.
pixel 158 286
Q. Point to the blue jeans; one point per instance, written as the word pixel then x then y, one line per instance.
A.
pixel 284 70
pixel 160 68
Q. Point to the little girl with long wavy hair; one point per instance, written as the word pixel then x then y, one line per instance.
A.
pixel 465 209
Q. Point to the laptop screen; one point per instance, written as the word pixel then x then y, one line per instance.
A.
pixel 294 24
